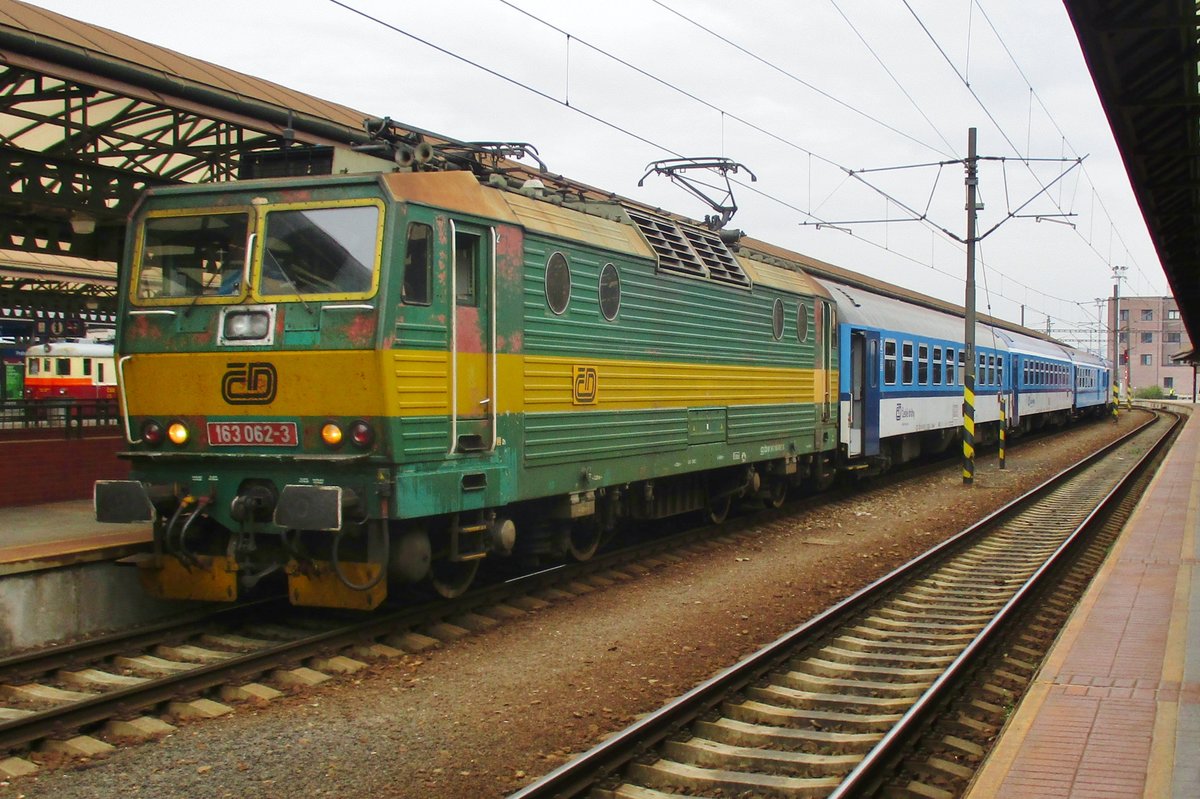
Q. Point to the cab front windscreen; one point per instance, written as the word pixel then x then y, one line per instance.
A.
pixel 296 253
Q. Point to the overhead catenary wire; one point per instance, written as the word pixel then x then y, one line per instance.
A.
pixel 639 137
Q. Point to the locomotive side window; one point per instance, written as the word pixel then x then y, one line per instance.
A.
pixel 908 363
pixel 558 283
pixel 609 291
pixel 889 362
pixel 418 257
pixel 320 251
pixel 466 258
pixel 62 367
pixel 777 319
pixel 191 256
pixel 87 366
pixel 802 325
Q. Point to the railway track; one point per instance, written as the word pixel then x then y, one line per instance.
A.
pixel 830 708
pixel 188 666
pixel 184 667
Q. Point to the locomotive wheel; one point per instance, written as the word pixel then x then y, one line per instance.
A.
pixel 776 493
pixel 583 540
pixel 451 579
pixel 717 510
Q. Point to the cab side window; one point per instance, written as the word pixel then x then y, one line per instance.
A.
pixel 418 257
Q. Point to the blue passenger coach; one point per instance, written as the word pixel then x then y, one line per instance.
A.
pixel 901 377
pixel 901 371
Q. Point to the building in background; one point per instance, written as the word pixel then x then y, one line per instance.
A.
pixel 1151 333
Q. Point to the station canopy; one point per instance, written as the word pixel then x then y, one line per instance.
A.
pixel 90 117
pixel 1144 56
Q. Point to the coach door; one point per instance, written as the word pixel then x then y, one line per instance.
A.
pixel 472 338
pixel 864 393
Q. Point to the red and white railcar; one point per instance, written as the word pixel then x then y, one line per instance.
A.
pixel 62 370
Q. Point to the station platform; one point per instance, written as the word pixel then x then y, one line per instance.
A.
pixel 1115 710
pixel 60 579
pixel 62 534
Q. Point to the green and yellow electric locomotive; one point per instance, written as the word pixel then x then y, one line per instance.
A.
pixel 356 380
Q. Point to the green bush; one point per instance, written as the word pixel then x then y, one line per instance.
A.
pixel 1149 392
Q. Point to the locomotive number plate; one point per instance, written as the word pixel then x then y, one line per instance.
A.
pixel 253 434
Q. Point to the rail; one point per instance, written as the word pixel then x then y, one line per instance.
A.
pixel 638 746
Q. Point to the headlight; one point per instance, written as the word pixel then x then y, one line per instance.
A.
pixel 152 432
pixel 361 434
pixel 331 434
pixel 247 325
pixel 178 433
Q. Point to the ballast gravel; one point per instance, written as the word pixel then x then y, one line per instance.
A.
pixel 485 715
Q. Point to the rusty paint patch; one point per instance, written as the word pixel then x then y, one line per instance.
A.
pixel 143 328
pixel 470 337
pixel 296 196
pixel 360 330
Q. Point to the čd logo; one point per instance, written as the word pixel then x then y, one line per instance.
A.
pixel 249 383
pixel 584 386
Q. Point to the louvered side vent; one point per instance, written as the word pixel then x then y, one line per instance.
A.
pixel 722 266
pixel 674 252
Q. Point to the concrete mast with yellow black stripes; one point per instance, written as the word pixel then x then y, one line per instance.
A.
pixel 968 429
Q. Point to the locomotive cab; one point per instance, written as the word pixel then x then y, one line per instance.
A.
pixel 252 391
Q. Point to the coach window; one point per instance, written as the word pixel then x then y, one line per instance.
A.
pixel 908 363
pixel 923 364
pixel 962 367
pixel 951 377
pixel 872 357
pixel 610 292
pixel 777 319
pixel 418 257
pixel 558 283
pixel 889 362
pixel 937 366
pixel 999 371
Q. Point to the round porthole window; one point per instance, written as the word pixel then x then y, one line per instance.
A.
pixel 610 291
pixel 802 322
pixel 558 283
pixel 777 319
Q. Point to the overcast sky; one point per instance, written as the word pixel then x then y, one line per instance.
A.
pixel 799 92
